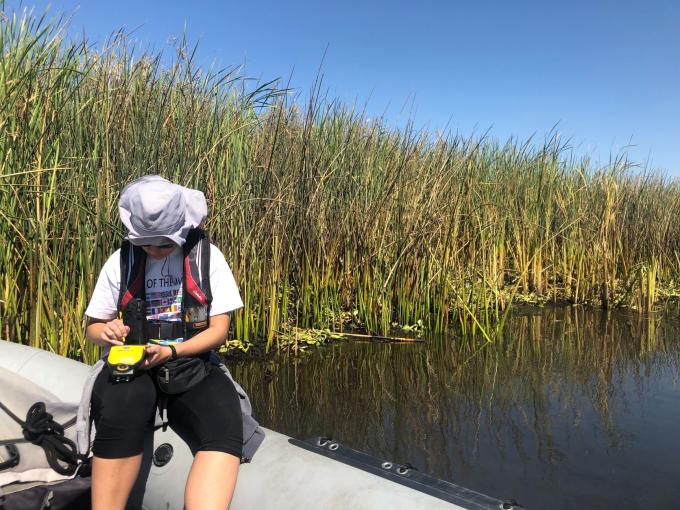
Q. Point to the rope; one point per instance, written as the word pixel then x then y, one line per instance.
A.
pixel 41 430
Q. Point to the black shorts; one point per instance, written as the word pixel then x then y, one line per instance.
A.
pixel 207 417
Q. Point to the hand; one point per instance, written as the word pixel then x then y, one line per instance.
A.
pixel 113 332
pixel 156 354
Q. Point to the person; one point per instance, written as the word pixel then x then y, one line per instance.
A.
pixel 160 217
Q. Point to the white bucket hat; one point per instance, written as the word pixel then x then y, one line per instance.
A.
pixel 155 211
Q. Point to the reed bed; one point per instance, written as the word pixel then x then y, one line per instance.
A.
pixel 326 218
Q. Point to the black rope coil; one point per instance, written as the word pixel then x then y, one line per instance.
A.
pixel 41 430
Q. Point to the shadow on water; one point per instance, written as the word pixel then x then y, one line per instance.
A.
pixel 573 408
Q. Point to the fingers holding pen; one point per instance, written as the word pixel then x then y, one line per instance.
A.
pixel 114 332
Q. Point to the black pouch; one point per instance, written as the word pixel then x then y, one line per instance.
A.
pixel 177 376
pixel 134 316
pixel 73 494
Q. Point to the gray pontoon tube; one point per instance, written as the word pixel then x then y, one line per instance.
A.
pixel 284 474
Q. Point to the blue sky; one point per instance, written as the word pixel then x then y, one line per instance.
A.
pixel 607 72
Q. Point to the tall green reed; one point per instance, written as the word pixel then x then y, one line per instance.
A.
pixel 325 217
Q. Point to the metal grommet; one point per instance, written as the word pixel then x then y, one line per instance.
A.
pixel 386 465
pixel 323 441
pixel 162 455
pixel 333 446
pixel 402 470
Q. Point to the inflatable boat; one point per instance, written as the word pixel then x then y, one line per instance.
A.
pixel 285 473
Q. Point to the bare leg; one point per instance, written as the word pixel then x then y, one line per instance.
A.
pixel 211 481
pixel 112 481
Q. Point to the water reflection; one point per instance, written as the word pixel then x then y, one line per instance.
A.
pixel 572 408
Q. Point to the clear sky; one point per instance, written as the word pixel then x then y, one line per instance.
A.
pixel 607 71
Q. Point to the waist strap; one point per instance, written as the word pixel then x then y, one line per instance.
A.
pixel 164 330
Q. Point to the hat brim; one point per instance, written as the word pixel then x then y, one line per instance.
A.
pixel 155 240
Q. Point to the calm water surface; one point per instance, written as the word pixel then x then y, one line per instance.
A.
pixel 573 408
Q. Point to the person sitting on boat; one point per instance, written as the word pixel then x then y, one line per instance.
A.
pixel 162 263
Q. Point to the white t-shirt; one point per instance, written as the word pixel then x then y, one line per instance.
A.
pixel 163 287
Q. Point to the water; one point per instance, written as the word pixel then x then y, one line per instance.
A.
pixel 573 408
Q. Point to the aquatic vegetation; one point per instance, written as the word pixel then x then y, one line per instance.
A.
pixel 324 216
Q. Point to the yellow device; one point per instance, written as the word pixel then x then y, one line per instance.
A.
pixel 124 360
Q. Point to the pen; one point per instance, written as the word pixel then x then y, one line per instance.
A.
pixel 120 316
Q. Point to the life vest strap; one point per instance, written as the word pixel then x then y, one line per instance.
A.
pixel 164 330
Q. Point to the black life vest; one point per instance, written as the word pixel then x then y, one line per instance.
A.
pixel 196 294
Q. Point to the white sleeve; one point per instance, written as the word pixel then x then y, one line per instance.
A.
pixel 225 294
pixel 104 302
